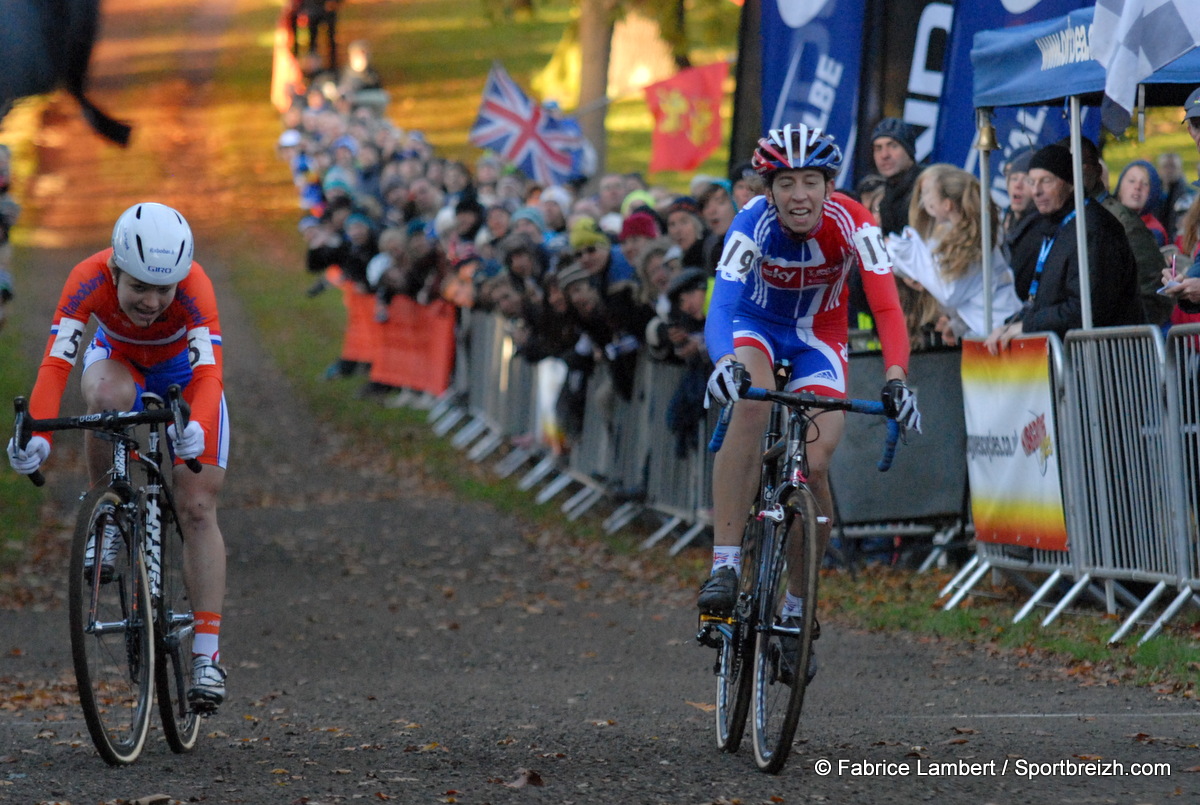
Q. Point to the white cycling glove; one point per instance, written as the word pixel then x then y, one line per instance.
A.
pixel 900 403
pixel 33 456
pixel 191 444
pixel 723 383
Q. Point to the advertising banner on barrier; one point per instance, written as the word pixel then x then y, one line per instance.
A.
pixel 814 50
pixel 1012 445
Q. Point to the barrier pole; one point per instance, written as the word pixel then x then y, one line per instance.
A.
pixel 985 142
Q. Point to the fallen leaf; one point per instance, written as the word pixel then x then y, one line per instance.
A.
pixel 708 708
pixel 525 777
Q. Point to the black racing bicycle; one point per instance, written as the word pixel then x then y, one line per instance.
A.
pixel 759 653
pixel 130 616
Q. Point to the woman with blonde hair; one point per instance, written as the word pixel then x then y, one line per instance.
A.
pixel 941 251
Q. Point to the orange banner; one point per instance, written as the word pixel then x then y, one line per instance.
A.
pixel 415 346
pixel 687 117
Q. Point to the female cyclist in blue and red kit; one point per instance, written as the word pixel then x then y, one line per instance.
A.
pixel 780 293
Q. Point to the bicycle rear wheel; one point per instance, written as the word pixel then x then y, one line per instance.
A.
pixel 736 654
pixel 173 631
pixel 112 644
pixel 779 682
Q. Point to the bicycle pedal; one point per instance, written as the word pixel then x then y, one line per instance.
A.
pixel 705 637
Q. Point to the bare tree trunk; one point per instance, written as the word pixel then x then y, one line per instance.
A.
pixel 747 94
pixel 595 44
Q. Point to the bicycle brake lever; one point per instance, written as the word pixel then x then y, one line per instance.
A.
pixel 181 412
pixel 23 435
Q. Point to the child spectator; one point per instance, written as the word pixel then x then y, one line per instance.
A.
pixel 1139 188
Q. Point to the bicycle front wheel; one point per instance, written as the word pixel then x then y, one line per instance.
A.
pixel 173 631
pixel 111 640
pixel 781 651
pixel 736 654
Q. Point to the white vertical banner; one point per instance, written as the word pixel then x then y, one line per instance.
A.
pixel 1013 445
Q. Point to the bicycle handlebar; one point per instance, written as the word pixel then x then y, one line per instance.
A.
pixel 806 399
pixel 176 413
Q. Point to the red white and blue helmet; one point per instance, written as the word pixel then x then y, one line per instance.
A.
pixel 153 243
pixel 795 148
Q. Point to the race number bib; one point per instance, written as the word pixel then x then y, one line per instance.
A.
pixel 200 348
pixel 69 340
pixel 738 257
pixel 868 241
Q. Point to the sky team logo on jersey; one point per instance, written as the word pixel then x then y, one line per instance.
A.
pixel 794 274
pixel 782 276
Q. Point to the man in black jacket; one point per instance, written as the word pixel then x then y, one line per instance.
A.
pixel 894 150
pixel 1046 260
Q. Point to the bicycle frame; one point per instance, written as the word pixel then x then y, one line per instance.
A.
pixel 756 633
pixel 153 615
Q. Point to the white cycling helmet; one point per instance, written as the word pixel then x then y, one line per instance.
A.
pixel 153 243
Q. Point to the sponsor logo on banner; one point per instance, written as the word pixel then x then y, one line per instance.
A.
pixel 1036 440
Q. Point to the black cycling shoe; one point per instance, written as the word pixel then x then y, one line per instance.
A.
pixel 718 594
pixel 789 650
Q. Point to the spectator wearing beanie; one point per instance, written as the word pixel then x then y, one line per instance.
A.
pixel 894 149
pixel 600 257
pixel 1048 276
pixel 745 184
pixel 1020 209
pixel 639 228
pixel 555 204
pixel 686 229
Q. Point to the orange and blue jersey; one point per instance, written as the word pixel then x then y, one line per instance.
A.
pixel 186 337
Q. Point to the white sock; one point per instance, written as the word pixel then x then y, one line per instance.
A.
pixel 727 556
pixel 793 607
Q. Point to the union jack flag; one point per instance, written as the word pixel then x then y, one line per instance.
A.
pixel 543 144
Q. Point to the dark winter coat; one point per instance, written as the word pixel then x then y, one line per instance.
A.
pixel 1057 306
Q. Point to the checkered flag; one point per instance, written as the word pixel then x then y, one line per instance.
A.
pixel 1132 39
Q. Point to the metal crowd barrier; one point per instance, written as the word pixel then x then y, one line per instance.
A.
pixel 1127 407
pixel 1120 489
pixel 1183 407
pixel 1128 412
pixel 625 454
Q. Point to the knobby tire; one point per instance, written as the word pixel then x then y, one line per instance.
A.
pixel 174 631
pixel 736 655
pixel 778 690
pixel 113 664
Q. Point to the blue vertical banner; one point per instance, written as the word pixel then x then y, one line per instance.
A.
pixel 812 54
pixel 1015 126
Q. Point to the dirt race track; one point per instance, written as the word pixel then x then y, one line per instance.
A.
pixel 389 642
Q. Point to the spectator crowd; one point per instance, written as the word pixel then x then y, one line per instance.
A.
pixel 621 273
